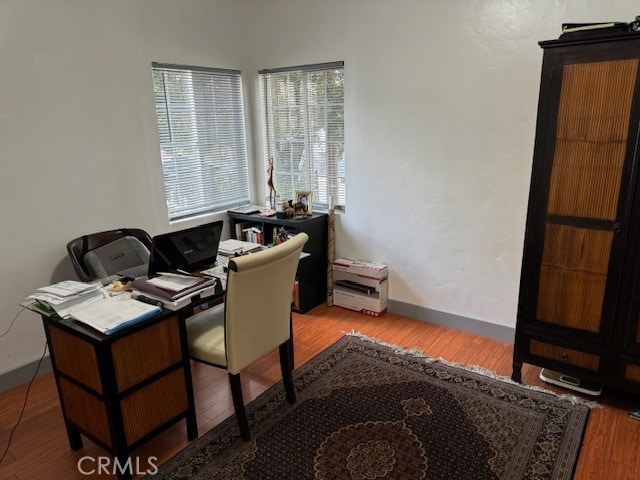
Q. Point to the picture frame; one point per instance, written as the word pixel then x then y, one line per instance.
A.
pixel 306 199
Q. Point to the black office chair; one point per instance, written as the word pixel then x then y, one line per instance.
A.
pixel 135 244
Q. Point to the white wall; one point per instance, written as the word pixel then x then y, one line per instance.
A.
pixel 441 99
pixel 78 137
pixel 440 116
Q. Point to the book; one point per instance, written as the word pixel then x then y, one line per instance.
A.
pixel 176 304
pixel 159 285
pixel 111 314
pixel 295 294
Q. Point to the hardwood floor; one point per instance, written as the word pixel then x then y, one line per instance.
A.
pixel 40 450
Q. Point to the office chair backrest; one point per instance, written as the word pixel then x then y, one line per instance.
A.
pixel 79 247
pixel 258 301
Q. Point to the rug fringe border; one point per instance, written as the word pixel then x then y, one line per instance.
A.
pixel 415 352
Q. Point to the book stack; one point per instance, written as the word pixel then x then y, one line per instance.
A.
pixel 247 209
pixel 172 291
pixel 253 234
pixel 61 297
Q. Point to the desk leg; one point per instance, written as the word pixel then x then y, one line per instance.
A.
pixel 75 439
pixel 192 422
pixel 192 426
pixel 124 466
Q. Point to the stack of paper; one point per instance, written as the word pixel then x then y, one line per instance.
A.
pixel 246 209
pixel 62 296
pixel 112 314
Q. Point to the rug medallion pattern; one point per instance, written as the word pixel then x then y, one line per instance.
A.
pixel 366 411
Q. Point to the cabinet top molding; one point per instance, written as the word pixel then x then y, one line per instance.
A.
pixel 590 38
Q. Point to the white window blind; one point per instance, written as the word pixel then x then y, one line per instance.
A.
pixel 200 118
pixel 303 130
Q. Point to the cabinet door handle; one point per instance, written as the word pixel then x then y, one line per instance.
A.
pixel 617 227
pixel 565 356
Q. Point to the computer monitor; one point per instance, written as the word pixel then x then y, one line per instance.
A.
pixel 190 249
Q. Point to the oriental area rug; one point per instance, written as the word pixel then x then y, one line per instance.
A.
pixel 368 410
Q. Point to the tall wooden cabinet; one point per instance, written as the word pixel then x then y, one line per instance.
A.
pixel 579 302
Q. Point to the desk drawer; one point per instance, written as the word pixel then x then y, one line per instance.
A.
pixel 138 356
pixel 75 358
pixel 154 405
pixel 565 355
pixel 85 410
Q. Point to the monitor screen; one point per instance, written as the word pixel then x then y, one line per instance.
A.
pixel 191 249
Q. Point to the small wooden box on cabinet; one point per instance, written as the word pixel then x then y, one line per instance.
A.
pixel 579 300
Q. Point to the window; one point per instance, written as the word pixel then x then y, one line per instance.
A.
pixel 202 139
pixel 303 130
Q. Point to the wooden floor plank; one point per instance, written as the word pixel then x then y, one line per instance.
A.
pixel 40 451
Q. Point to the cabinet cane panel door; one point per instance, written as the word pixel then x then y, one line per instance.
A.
pixel 584 189
pixel 573 276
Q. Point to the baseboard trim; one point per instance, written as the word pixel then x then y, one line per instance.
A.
pixel 451 320
pixel 23 374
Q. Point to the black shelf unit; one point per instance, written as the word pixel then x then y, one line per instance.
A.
pixel 312 270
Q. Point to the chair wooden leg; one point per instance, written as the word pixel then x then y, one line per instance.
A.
pixel 285 366
pixel 290 348
pixel 238 405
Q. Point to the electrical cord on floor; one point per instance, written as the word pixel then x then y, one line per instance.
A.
pixel 26 397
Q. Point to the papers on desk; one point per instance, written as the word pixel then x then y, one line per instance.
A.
pixel 220 268
pixel 109 315
pixel 237 247
pixel 63 296
pixel 219 272
pixel 173 282
pixel 246 209
pixel 68 288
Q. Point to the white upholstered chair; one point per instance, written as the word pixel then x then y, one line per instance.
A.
pixel 254 318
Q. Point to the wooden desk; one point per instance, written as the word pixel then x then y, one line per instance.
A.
pixel 120 390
